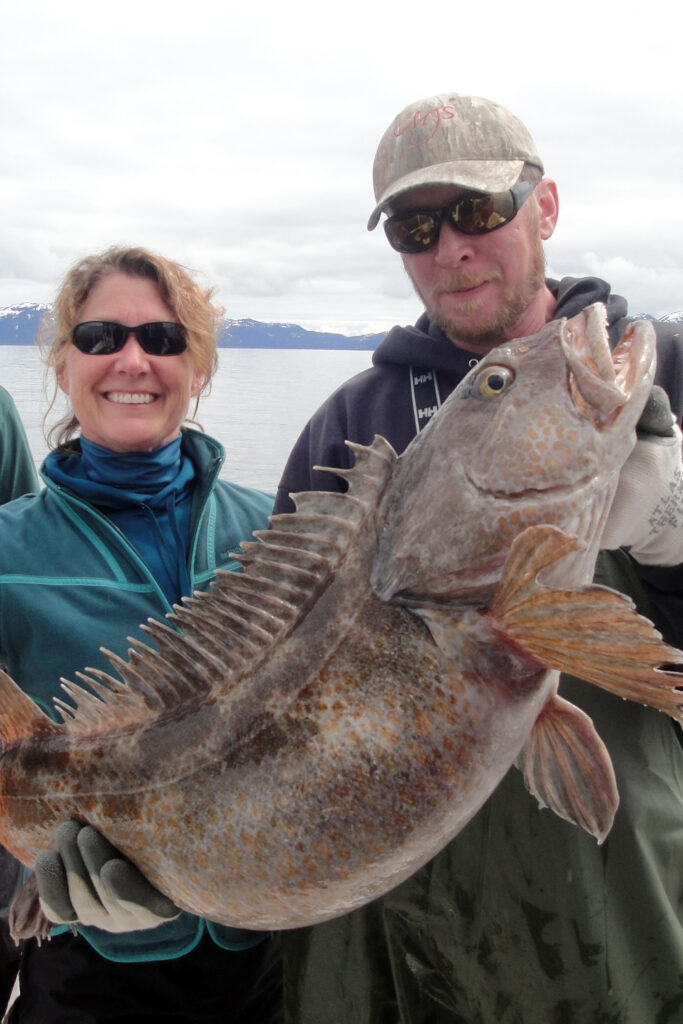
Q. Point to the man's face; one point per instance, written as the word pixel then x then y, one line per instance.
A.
pixel 482 290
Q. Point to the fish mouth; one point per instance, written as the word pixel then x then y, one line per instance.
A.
pixel 603 381
pixel 460 594
pixel 572 490
pixel 607 389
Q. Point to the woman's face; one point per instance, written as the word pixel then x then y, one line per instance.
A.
pixel 128 401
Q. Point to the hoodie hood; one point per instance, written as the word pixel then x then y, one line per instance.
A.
pixel 436 351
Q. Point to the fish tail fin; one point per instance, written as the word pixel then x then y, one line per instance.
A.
pixel 567 768
pixel 27 919
pixel 591 632
pixel 20 717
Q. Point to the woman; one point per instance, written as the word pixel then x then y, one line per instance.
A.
pixel 132 517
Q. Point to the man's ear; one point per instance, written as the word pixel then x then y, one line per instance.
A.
pixel 548 206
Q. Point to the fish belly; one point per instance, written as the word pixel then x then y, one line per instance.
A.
pixel 382 758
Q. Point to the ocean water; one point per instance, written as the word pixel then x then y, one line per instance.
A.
pixel 260 401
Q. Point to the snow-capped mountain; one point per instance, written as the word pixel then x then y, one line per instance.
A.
pixel 19 326
pixel 19 323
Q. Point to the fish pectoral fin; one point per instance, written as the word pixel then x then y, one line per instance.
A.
pixel 591 632
pixel 20 717
pixel 567 768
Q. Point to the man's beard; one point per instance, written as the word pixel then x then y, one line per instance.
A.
pixel 487 330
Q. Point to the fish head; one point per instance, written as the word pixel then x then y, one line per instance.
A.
pixel 537 432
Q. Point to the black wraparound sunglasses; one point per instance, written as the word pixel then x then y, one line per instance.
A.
pixel 475 213
pixel 103 338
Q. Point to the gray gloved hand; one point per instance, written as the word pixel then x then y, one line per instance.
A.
pixel 647 512
pixel 656 419
pixel 86 879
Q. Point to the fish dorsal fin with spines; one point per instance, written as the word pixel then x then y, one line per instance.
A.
pixel 225 632
pixel 20 717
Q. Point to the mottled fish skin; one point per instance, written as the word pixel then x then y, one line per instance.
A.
pixel 328 720
pixel 525 453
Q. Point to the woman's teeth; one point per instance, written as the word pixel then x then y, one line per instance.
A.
pixel 130 397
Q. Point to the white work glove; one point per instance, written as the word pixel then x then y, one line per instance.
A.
pixel 647 512
pixel 86 880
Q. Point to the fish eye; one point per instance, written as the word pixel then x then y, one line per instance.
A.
pixel 494 381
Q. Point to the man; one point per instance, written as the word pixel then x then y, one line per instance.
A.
pixel 522 919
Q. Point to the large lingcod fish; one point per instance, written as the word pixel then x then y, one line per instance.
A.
pixel 302 738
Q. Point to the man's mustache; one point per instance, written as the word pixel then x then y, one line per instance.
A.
pixel 462 279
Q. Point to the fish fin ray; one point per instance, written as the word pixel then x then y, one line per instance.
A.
pixel 284 569
pixel 567 768
pixel 150 685
pixel 20 717
pixel 101 704
pixel 591 632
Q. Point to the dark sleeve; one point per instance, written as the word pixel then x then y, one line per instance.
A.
pixel 376 401
pixel 11 873
pixel 669 373
pixel 321 443
pixel 17 472
pixel 664 588
pixel 664 584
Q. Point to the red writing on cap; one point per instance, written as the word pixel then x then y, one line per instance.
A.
pixel 423 127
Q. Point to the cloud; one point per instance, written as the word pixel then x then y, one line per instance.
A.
pixel 648 288
pixel 240 141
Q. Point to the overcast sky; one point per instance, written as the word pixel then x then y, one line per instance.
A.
pixel 240 141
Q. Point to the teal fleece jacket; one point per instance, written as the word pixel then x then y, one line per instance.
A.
pixel 70 583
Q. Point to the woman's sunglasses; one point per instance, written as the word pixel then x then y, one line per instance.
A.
pixel 475 213
pixel 103 338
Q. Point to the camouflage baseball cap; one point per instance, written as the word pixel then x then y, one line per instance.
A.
pixel 451 140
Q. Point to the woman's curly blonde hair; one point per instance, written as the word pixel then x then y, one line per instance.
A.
pixel 190 304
